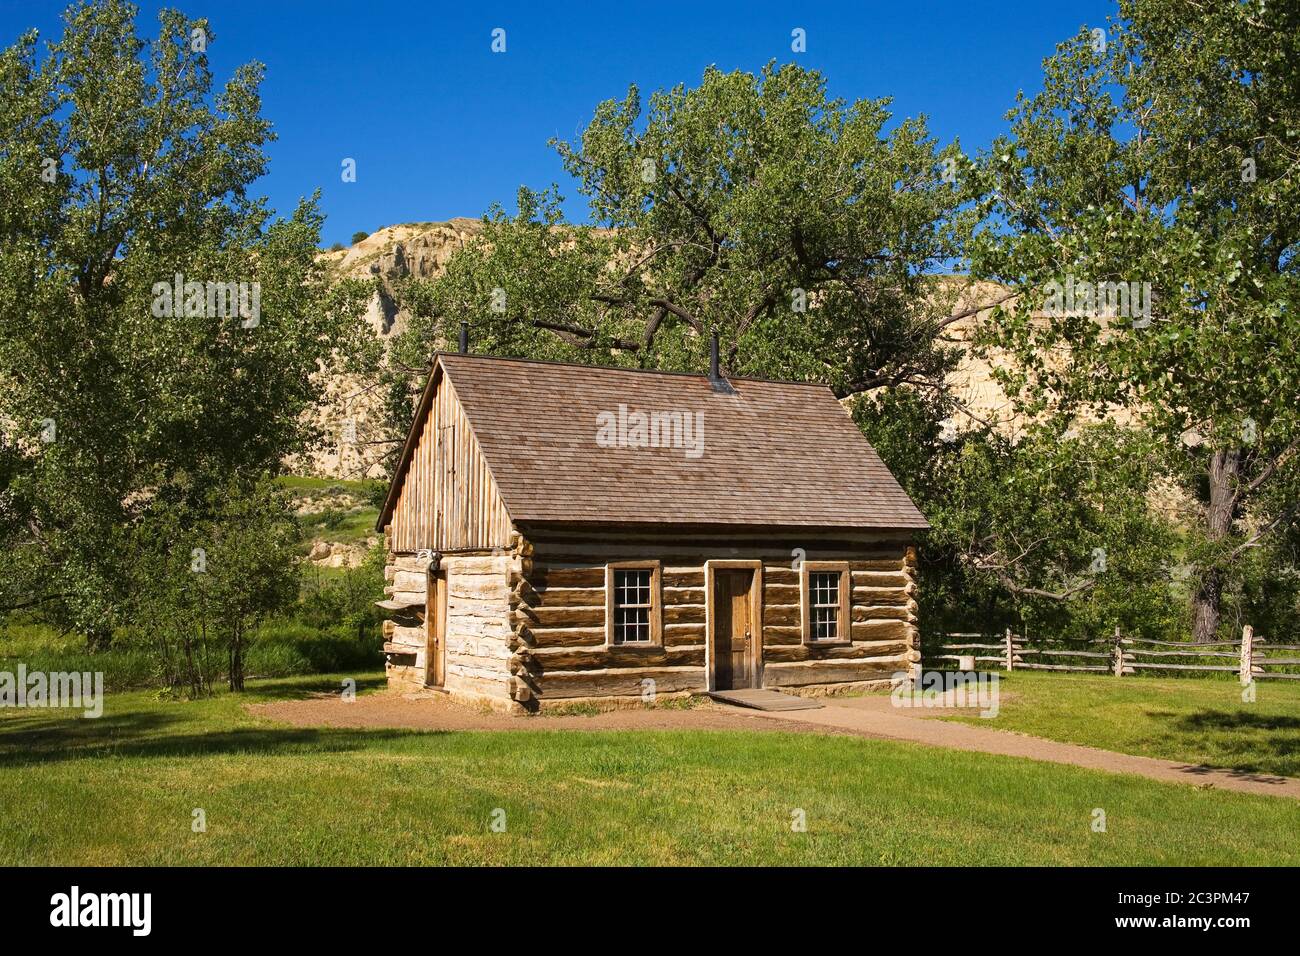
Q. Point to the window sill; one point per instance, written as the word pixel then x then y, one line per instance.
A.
pixel 834 643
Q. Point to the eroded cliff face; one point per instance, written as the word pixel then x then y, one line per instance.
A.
pixel 356 445
pixel 419 250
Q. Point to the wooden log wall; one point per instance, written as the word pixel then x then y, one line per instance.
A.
pixel 449 500
pixel 558 614
pixel 478 627
pixel 404 637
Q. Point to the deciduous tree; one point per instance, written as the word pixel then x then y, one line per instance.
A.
pixel 1163 156
pixel 125 176
pixel 805 230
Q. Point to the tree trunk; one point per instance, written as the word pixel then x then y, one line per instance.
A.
pixel 237 663
pixel 1205 607
pixel 98 639
pixel 1219 515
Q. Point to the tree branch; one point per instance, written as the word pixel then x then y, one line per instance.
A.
pixel 975 310
pixel 1270 469
pixel 681 313
pixel 582 338
pixel 1009 583
pixel 1262 532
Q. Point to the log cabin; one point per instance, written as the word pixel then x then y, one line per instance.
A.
pixel 560 533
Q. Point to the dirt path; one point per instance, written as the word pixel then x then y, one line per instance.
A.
pixel 437 712
pixel 870 716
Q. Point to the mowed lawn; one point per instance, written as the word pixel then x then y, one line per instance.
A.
pixel 1193 719
pixel 122 790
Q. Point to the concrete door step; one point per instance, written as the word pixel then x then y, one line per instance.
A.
pixel 762 699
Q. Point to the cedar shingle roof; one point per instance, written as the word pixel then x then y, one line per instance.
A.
pixel 772 453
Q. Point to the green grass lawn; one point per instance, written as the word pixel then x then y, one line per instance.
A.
pixel 1194 719
pixel 42 647
pixel 122 789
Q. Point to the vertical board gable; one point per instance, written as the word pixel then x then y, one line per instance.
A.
pixel 449 499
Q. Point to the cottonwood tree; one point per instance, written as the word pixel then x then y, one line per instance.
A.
pixel 806 231
pixel 1164 150
pixel 1048 530
pixel 121 168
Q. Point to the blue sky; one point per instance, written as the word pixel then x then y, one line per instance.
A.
pixel 440 126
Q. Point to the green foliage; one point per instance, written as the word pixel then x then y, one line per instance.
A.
pixel 1050 531
pixel 336 510
pixel 358 236
pixel 198 599
pixel 340 525
pixel 804 230
pixel 1170 157
pixel 1056 514
pixel 1262 589
pixel 305 484
pixel 331 626
pixel 123 167
pixel 25 639
pixel 345 605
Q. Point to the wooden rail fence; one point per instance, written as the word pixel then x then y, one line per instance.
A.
pixel 1250 658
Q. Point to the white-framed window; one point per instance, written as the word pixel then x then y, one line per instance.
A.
pixel 633 603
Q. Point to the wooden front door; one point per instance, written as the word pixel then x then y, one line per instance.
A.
pixel 734 640
pixel 435 629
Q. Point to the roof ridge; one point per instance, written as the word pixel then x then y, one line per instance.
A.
pixel 444 353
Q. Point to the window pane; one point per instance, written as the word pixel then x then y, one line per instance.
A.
pixel 632 601
pixel 824 605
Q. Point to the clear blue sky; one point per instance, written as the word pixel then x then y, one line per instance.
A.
pixel 440 126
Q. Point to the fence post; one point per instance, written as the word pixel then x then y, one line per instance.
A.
pixel 1119 653
pixel 1247 655
pixel 1011 652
